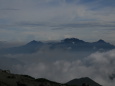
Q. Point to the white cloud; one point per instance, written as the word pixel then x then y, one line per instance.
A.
pixel 63 12
pixel 44 15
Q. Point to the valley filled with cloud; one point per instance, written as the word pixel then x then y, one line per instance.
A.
pixel 62 66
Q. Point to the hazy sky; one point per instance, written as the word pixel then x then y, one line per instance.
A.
pixel 25 20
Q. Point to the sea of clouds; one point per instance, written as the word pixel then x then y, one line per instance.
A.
pixel 62 66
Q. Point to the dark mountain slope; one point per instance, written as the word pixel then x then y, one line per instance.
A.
pixel 9 79
pixel 80 81
pixel 30 47
pixel 101 44
pixel 74 44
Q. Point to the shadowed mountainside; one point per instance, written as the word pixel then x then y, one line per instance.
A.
pixel 80 81
pixel 9 79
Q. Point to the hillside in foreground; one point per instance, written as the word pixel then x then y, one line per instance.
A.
pixel 9 79
pixel 86 80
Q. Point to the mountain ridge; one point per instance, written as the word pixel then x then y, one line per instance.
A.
pixel 68 44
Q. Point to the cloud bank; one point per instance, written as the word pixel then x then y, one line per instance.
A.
pixel 63 66
pixel 40 18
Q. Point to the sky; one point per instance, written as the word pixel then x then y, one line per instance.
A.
pixel 26 20
pixel 44 20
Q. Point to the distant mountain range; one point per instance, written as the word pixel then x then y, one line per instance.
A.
pixel 68 44
pixel 30 47
pixel 74 44
pixel 10 79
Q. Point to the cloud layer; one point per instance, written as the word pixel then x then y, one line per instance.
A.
pixel 55 19
pixel 63 66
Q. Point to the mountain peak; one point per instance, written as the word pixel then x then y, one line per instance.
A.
pixel 34 42
pixel 101 41
pixel 71 40
pixel 80 81
pixel 85 78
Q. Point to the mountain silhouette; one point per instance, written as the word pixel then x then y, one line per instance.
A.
pixel 68 44
pixel 9 79
pixel 85 80
pixel 30 47
pixel 34 42
pixel 72 41
pixel 74 44
pixel 101 41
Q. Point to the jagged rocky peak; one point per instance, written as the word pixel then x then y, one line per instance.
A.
pixel 72 40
